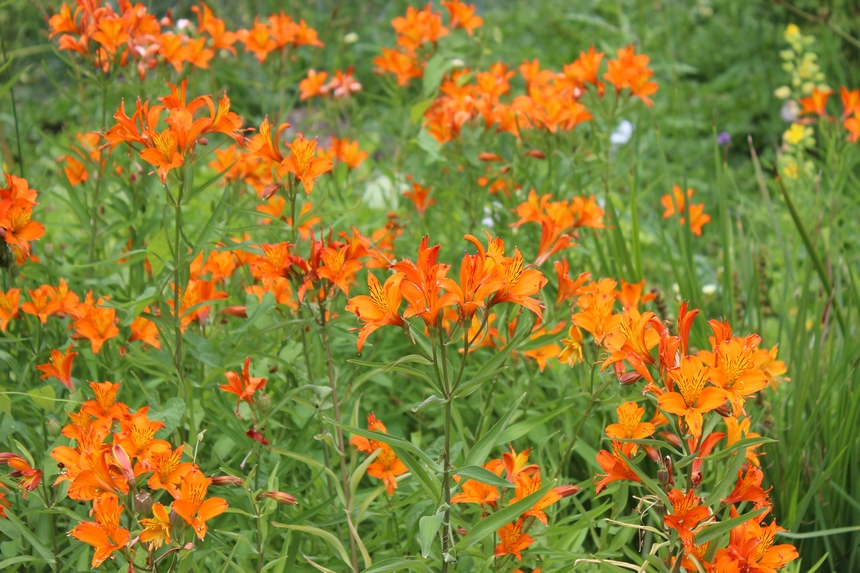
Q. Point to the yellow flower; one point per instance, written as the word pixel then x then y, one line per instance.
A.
pixel 791 170
pixel 791 31
pixel 795 134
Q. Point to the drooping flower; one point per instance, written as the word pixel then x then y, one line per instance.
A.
pixel 387 466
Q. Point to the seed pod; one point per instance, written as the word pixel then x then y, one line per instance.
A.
pixel 143 503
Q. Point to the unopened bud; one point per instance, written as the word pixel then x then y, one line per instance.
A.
pixel 228 480
pixel 280 497
pixel 143 503
pixel 52 425
pixel 567 490
pixel 536 153
pixel 462 531
pixel 203 141
pixel 269 191
pixel 663 477
pixel 264 402
pixel 696 478
pixel 201 435
pixel 123 462
pixel 177 522
pixel 630 378
pixel 237 311
pixel 725 411
pixel 257 437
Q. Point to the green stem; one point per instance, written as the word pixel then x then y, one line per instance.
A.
pixel 446 468
pixel 14 109
pixel 340 442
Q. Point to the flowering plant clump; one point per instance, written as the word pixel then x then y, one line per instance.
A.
pixel 297 291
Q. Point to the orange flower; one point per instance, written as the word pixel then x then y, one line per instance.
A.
pixel 63 301
pixel 751 550
pixel 463 16
pixel 529 484
pixel 698 218
pixel 692 399
pixel 282 29
pixel 633 340
pixel 596 315
pixel 110 34
pixel 567 287
pixel 419 196
pixel 4 503
pixel 8 307
pixel 312 85
pixel 748 488
pixel 105 404
pixel 773 369
pixel 243 387
pixel 156 529
pixel 168 470
pixel 477 492
pixel 338 269
pixel 740 429
pixel 387 466
pixel 145 330
pixel 815 103
pixel 378 309
pixel 137 437
pixel 517 464
pixel 346 151
pixel 422 285
pixel 571 353
pixel 615 466
pixel 105 534
pixel 418 27
pixel 192 505
pixel 76 172
pixel 16 225
pixel 735 372
pixel 95 323
pixel 520 284
pixel 59 367
pixel 306 36
pixel 208 23
pixel 30 477
pixel 303 163
pixel 403 65
pixel 257 40
pixel 38 303
pixel 686 515
pixel 630 71
pixel 584 70
pixel 850 101
pixel 512 540
pixel 852 124
pixel 629 426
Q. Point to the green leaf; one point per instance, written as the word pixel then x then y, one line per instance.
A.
pixel 417 111
pixel 5 404
pixel 397 564
pixel 428 527
pixel 43 397
pixel 429 144
pixel 40 548
pixel 492 523
pixel 170 413
pixel 714 531
pixel 728 481
pixel 482 475
pixel 159 248
pixel 359 472
pixel 257 309
pixel 494 363
pixel 745 443
pixel 522 428
pixel 478 454
pixel 433 399
pixel 435 70
pixel 322 534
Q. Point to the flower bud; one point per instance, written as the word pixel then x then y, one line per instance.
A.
pixel 567 490
pixel 264 402
pixel 52 425
pixel 630 378
pixel 177 522
pixel 462 531
pixel 123 462
pixel 143 503
pixel 257 437
pixel 536 153
pixel 280 497
pixel 725 411
pixel 228 480
pixel 269 191
pixel 237 311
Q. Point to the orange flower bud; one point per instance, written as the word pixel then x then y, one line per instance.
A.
pixel 629 378
pixel 536 153
pixel 228 480
pixel 487 156
pixel 280 497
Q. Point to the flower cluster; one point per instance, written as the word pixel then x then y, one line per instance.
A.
pixel 524 480
pixel 130 36
pixel 691 386
pixel 675 203
pixel 386 466
pixel 17 227
pixel 487 278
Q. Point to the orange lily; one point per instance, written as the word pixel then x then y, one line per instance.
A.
pixel 815 103
pixel 156 529
pixel 192 505
pixel 303 162
pixel 615 466
pixel 378 309
pixel 686 515
pixel 105 534
pixel 8 307
pixel 512 540
pixel 693 399
pixel 59 366
pixel 243 387
pixel 629 426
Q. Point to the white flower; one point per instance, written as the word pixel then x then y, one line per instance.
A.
pixel 622 134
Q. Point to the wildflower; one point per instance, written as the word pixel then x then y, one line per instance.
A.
pixel 615 466
pixel 630 426
pixel 243 387
pixel 137 437
pixel 95 323
pixel 571 353
pixel 630 71
pixel 520 284
pixel 748 488
pixel 517 464
pixel 280 497
pixel 584 70
pixel 343 84
pixel 387 466
pixel 740 429
pixel 168 469
pixel 633 340
pixel 463 16
pixel 4 503
pixel 105 404
pixel 346 151
pixel 692 399
pixel 192 505
pixel 751 549
pixel 765 361
pixel 697 216
pixel 419 196
pixel 156 529
pixel 303 163
pixel 473 491
pixel 8 307
pixel 595 305
pixel 378 309
pixel 815 103
pixel 257 40
pixel 529 484
pixel 105 534
pixel 59 366
pixel 38 303
pixel 735 372
pixel 567 287
pixel 145 330
pixel 512 540
pixel 404 65
pixel 30 476
pixel 686 515
pixel 312 86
